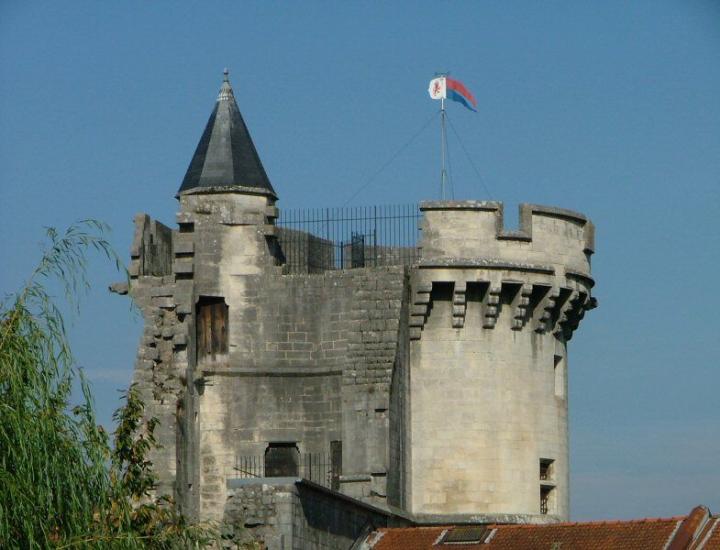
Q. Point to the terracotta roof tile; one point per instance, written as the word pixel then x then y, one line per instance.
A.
pixel 714 539
pixel 635 535
pixel 645 534
pixel 709 537
pixel 688 530
pixel 410 538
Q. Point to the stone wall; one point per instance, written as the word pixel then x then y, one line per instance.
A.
pixel 160 366
pixel 445 382
pixel 310 361
pixel 288 514
pixel 472 232
pixel 310 357
pixel 399 414
pixel 373 335
pixel 304 252
pixel 492 311
pixel 500 413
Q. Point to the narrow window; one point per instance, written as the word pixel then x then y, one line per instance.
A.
pixel 212 323
pixel 546 469
pixel 559 376
pixel 282 460
pixel 335 464
pixel 547 484
pixel 545 497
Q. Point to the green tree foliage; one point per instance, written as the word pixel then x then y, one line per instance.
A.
pixel 61 484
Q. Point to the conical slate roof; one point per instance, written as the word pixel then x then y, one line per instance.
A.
pixel 226 155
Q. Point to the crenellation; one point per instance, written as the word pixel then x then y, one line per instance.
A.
pixel 458 233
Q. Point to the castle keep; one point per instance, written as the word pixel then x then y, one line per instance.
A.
pixel 307 388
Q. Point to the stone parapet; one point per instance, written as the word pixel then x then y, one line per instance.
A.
pixel 472 233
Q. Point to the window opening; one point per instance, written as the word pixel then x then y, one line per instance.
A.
pixel 282 459
pixel 547 484
pixel 545 493
pixel 212 327
pixel 335 464
pixel 546 469
pixel 465 535
pixel 559 376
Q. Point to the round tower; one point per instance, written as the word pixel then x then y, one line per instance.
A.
pixel 491 314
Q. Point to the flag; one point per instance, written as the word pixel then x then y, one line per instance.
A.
pixel 445 87
pixel 437 89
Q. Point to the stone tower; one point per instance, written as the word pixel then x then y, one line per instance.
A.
pixel 491 315
pixel 435 387
pixel 192 285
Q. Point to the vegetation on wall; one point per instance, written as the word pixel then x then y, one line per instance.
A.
pixel 62 484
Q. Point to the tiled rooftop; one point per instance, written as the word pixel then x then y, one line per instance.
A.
pixel 696 531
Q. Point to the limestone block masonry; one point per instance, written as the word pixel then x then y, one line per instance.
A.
pixel 490 317
pixel 444 382
pixel 309 357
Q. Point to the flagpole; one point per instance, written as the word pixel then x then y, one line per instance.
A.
pixel 443 173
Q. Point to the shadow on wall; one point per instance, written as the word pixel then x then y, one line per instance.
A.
pixel 332 521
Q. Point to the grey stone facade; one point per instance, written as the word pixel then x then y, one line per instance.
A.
pixel 297 514
pixel 436 390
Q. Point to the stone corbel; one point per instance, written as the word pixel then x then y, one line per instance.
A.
pixel 459 304
pixel 543 321
pixel 419 310
pixel 565 311
pixel 576 312
pixel 520 306
pixel 491 306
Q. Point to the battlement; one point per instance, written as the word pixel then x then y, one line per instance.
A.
pixel 473 234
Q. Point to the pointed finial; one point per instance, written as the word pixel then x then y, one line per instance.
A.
pixel 226 93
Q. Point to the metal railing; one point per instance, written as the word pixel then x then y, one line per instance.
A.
pixel 321 239
pixel 316 467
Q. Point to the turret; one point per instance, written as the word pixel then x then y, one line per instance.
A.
pixel 224 245
pixel 491 313
pixel 226 201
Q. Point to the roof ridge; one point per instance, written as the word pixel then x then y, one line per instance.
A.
pixel 592 523
pixel 416 528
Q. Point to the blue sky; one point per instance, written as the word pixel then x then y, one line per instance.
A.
pixel 609 108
